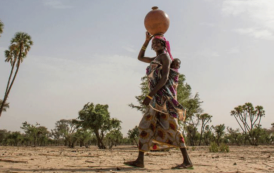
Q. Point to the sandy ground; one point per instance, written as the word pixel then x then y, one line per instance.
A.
pixel 243 159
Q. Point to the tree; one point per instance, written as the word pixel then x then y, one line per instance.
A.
pixel 20 46
pixel 185 98
pixel 5 106
pixel 83 135
pixel 114 137
pixel 205 118
pixel 65 130
pixel 42 135
pixel 193 118
pixel 248 118
pixel 3 134
pixel 133 135
pixel 271 133
pixel 258 135
pixel 97 119
pixel 126 141
pixel 31 131
pixel 1 27
pixel 208 135
pixel 235 136
pixel 192 134
pixel 35 133
pixel 13 138
pixel 140 98
pixel 193 107
pixel 219 133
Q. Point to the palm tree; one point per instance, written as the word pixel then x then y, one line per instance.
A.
pixel 1 27
pixel 11 56
pixel 6 105
pixel 20 46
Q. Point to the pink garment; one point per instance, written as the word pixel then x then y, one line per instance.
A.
pixel 167 44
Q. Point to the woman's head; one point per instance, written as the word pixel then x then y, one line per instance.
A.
pixel 158 44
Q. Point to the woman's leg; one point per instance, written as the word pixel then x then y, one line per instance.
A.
pixel 146 134
pixel 187 162
pixel 139 162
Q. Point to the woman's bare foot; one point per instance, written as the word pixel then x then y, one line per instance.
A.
pixel 135 164
pixel 183 166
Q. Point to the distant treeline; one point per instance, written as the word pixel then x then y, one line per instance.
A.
pixel 94 126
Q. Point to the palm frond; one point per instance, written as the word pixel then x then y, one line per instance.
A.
pixel 6 105
pixel 1 27
pixel 21 43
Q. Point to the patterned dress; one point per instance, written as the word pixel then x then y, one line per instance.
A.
pixel 159 126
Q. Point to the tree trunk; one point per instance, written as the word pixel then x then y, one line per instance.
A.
pixel 7 94
pixel 193 137
pixel 201 138
pixel 100 142
pixel 7 88
pixel 111 145
pixel 201 133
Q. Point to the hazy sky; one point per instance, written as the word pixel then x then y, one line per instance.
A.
pixel 86 51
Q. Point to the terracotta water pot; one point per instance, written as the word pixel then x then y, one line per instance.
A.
pixel 156 21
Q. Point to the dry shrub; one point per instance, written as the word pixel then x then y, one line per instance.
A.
pixel 213 147
pixel 224 147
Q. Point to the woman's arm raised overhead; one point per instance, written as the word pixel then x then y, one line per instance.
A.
pixel 141 55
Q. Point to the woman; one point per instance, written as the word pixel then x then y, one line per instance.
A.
pixel 160 123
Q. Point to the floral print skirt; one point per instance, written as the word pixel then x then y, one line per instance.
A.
pixel 158 131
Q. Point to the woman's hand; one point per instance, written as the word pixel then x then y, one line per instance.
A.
pixel 148 36
pixel 146 101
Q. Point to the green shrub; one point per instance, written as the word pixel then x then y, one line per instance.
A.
pixel 213 147
pixel 224 147
pixel 193 148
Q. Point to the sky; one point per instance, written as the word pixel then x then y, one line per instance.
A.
pixel 86 51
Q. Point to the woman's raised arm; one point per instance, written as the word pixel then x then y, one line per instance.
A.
pixel 141 55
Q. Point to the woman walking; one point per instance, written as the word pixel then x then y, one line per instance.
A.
pixel 160 122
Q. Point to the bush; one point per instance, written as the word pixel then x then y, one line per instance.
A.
pixel 213 147
pixel 224 147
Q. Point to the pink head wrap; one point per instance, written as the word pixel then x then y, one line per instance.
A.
pixel 167 44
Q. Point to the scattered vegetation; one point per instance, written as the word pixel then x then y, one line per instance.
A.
pixel 133 135
pixel 213 147
pixel 224 148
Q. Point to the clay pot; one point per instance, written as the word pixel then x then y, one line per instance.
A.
pixel 156 21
